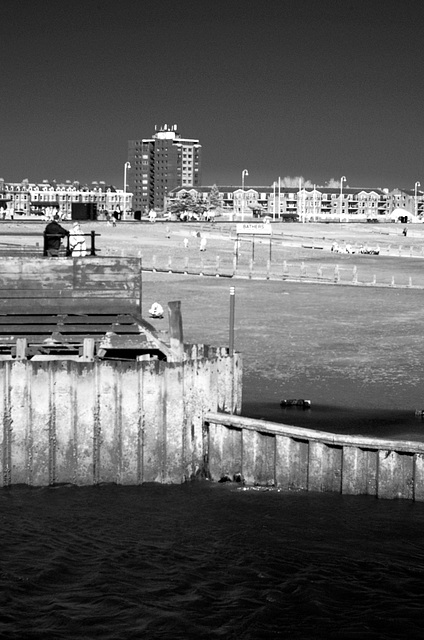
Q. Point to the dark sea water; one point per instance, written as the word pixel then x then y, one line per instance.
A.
pixel 208 560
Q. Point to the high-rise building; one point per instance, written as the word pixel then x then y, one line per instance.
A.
pixel 161 163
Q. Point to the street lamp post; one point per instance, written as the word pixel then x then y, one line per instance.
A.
pixel 243 173
pixel 417 184
pixel 126 166
pixel 342 179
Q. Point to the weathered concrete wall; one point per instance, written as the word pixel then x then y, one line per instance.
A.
pixel 77 422
pixel 268 454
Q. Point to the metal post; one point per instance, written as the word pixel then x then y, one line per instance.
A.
pixel 342 179
pixel 243 173
pixel 126 166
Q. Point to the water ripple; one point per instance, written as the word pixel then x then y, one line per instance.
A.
pixel 208 561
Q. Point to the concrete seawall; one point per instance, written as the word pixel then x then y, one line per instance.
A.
pixel 131 422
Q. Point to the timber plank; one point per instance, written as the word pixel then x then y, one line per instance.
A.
pixel 29 287
pixel 7 319
pixel 69 305
pixel 66 329
pixel 67 291
pixel 395 475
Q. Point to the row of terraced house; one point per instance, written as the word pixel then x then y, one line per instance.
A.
pixel 309 204
pixel 305 204
pixel 19 199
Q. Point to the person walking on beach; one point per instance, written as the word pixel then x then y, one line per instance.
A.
pixel 203 244
pixel 53 234
pixel 185 243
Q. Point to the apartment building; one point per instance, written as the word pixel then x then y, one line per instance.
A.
pixel 409 200
pixel 161 163
pixel 317 203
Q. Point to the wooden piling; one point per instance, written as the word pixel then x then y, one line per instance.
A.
pixel 176 338
pixel 294 458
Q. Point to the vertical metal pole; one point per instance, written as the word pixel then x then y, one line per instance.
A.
pixel 140 288
pixel 279 197
pixel 232 307
pixel 231 344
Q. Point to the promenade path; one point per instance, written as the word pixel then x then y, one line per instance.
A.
pixel 298 252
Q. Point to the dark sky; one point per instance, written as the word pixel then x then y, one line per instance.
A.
pixel 317 88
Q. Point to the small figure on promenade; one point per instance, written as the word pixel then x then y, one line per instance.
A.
pixel 168 232
pixel 405 231
pixel 203 244
pixel 185 243
pixel 53 234
pixel 77 243
pixel 156 310
pixel 152 215
pixel 111 220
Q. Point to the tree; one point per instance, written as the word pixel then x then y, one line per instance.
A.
pixel 187 205
pixel 214 198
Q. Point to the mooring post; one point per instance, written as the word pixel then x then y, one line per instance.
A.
pixel 176 340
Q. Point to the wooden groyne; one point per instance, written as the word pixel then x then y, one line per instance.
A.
pixel 127 422
pixel 263 453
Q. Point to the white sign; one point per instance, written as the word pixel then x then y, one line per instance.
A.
pixel 263 229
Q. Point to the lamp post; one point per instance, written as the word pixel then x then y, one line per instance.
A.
pixel 126 166
pixel 417 184
pixel 243 173
pixel 342 179
pixel 299 201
